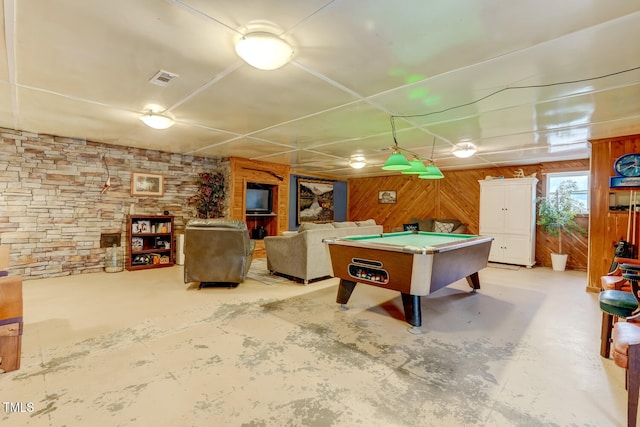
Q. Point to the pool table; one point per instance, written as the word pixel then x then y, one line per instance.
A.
pixel 415 263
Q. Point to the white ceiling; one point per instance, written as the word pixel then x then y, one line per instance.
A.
pixel 81 68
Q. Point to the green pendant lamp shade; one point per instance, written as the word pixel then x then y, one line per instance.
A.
pixel 417 168
pixel 432 173
pixel 396 162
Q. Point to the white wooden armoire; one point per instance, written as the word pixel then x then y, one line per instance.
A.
pixel 508 214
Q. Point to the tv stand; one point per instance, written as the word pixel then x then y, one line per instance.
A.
pixel 266 220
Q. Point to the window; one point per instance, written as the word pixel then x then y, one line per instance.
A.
pixel 581 194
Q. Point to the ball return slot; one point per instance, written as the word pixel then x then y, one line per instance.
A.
pixel 372 271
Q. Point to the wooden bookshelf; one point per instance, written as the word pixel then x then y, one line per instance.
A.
pixel 150 241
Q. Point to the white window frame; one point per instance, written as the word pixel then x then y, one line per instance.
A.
pixel 568 175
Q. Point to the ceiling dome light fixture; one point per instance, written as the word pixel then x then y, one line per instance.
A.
pixel 464 150
pixel 157 121
pixel 263 50
pixel 358 161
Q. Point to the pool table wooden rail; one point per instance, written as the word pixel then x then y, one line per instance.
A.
pixel 356 241
pixel 413 272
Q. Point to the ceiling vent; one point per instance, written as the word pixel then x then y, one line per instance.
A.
pixel 163 78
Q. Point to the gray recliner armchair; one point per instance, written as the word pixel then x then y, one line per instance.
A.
pixel 217 251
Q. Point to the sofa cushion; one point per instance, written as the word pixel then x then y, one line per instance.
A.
pixel 461 229
pixel 427 224
pixel 313 226
pixel 423 224
pixel 442 227
pixel 455 222
pixel 344 224
pixel 410 227
pixel 366 222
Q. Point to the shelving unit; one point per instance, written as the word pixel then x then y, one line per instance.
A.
pixel 268 221
pixel 607 226
pixel 150 241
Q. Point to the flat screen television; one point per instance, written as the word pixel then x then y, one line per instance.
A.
pixel 258 201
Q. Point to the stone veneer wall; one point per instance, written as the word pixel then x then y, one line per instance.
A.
pixel 52 211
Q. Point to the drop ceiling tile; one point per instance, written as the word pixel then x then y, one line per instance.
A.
pixel 497 84
pixel 252 100
pixel 99 123
pixel 255 14
pixel 179 138
pixel 346 124
pixel 55 115
pixel 242 147
pixel 433 38
pixel 540 154
pixel 108 51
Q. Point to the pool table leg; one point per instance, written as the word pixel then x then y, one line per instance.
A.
pixel 474 281
pixel 344 292
pixel 412 311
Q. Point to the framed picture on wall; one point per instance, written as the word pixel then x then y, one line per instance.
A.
pixel 387 196
pixel 147 184
pixel 315 201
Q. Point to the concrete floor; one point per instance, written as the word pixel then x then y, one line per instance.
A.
pixel 142 348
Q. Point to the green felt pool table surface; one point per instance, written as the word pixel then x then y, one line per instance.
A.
pixel 417 240
pixel 421 238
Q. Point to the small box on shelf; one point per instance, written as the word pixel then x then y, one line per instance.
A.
pixel 142 259
pixel 141 226
pixel 137 244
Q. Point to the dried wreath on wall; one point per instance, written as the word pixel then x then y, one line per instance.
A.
pixel 209 200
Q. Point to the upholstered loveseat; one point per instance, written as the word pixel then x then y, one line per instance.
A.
pixel 434 225
pixel 304 255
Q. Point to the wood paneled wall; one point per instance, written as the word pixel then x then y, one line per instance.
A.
pixel 606 227
pixel 457 196
pixel 576 245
